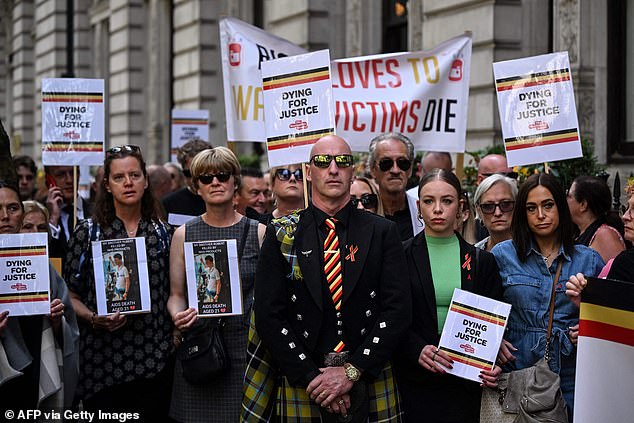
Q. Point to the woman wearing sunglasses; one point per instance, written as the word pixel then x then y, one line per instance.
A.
pixel 288 191
pixel 495 201
pixel 124 359
pixel 542 236
pixel 216 177
pixel 365 195
pixel 439 260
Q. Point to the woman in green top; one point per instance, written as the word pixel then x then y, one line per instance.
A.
pixel 439 260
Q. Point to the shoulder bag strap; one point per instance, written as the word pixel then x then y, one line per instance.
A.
pixel 243 239
pixel 552 308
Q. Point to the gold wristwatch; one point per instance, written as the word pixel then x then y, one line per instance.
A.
pixel 352 373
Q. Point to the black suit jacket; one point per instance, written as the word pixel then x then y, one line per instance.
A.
pixel 58 247
pixel 481 277
pixel 375 309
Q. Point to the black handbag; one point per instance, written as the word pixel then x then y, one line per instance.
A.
pixel 202 353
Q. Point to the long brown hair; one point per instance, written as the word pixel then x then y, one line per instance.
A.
pixel 104 213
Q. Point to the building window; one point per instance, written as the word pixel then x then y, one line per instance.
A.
pixel 394 26
pixel 621 81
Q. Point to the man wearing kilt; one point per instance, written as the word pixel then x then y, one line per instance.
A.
pixel 331 305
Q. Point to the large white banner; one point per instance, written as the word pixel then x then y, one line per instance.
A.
pixel 244 47
pixel 536 99
pixel 422 94
pixel 297 105
pixel 72 121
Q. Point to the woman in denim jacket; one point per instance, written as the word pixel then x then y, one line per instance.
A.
pixel 542 234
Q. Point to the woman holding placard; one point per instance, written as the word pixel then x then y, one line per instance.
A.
pixel 125 359
pixel 33 345
pixel 215 174
pixel 542 232
pixel 439 260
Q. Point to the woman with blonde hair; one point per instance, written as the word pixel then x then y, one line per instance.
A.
pixel 35 217
pixel 364 194
pixel 216 177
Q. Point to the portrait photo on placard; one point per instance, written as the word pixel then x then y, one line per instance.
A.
pixel 212 277
pixel 121 276
pixel 213 280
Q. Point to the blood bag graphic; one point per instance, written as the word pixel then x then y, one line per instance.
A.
pixel 234 54
pixel 456 70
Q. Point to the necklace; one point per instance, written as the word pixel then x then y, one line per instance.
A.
pixel 132 233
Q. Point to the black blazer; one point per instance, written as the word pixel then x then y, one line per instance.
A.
pixel 376 309
pixel 481 277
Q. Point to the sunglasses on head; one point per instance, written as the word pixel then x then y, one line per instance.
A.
pixel 368 201
pixel 119 149
pixel 505 207
pixel 386 164
pixel 323 160
pixel 512 175
pixel 285 174
pixel 207 178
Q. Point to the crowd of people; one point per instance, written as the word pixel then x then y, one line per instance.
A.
pixel 344 293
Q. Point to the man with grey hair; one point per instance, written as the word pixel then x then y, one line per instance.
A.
pixel 184 204
pixel 390 162
pixel 160 181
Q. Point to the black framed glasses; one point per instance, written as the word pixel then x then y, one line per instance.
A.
pixel 512 175
pixel 386 164
pixel 323 160
pixel 120 149
pixel 285 174
pixel 368 201
pixel 505 207
pixel 208 178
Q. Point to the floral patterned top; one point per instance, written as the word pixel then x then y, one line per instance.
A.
pixel 140 348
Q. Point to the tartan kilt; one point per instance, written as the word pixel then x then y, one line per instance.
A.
pixel 268 396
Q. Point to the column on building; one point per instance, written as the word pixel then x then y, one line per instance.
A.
pixel 21 88
pixel 127 50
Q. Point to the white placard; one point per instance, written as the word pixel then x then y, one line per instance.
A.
pixel 176 219
pixel 473 333
pixel 188 125
pixel 422 94
pixel 243 49
pixel 297 105
pixel 213 278
pixel 72 122
pixel 24 274
pixel 536 100
pixel 122 281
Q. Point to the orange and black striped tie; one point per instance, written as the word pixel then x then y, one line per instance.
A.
pixel 332 263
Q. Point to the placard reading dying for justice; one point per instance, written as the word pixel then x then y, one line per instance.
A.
pixel 24 274
pixel 473 333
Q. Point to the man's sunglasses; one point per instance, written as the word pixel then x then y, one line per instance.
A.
pixel 121 149
pixel 207 178
pixel 512 175
pixel 368 201
pixel 386 164
pixel 323 160
pixel 285 174
pixel 505 207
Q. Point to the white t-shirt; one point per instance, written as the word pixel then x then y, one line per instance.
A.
pixel 213 276
pixel 122 274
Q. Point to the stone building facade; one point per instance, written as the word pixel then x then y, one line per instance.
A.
pixel 156 55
